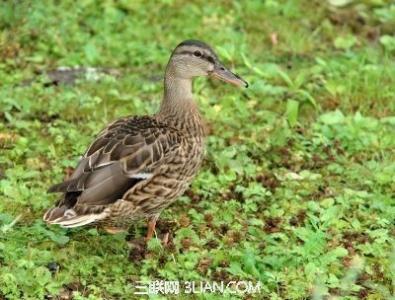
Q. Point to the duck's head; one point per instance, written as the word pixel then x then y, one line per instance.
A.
pixel 194 58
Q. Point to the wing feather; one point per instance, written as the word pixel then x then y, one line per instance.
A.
pixel 125 153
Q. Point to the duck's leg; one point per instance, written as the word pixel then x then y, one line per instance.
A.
pixel 151 227
pixel 165 239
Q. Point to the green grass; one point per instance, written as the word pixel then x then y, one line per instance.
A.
pixel 297 189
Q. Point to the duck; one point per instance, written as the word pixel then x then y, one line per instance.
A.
pixel 139 165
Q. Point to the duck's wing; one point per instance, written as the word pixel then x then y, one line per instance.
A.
pixel 125 153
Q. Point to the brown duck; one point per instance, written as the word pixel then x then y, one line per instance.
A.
pixel 139 165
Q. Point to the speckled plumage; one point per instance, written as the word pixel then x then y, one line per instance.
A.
pixel 139 165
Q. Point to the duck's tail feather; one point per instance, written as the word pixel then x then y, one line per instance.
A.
pixel 68 218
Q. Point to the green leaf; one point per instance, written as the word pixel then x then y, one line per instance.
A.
pixel 331 118
pixel 339 3
pixel 388 42
pixel 57 238
pixel 292 112
pixel 91 52
pixel 345 42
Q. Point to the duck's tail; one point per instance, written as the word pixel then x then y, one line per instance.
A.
pixel 68 218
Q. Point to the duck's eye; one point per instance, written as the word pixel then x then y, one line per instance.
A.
pixel 197 53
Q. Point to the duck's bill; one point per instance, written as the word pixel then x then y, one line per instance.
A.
pixel 226 75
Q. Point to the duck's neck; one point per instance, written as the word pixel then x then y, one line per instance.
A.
pixel 178 108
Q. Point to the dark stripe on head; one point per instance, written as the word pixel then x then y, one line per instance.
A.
pixel 209 58
pixel 195 43
pixel 190 47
